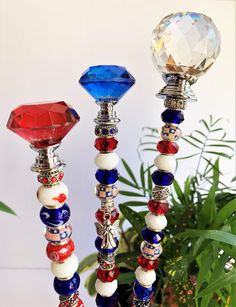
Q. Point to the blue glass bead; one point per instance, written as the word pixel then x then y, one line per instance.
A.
pixel 111 301
pixel 162 178
pixel 106 82
pixel 107 177
pixel 98 244
pixel 142 293
pixel 67 287
pixel 153 237
pixel 172 116
pixel 55 217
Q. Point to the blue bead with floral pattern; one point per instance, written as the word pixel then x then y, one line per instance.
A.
pixel 107 176
pixel 98 245
pixel 162 178
pixel 172 116
pixel 67 287
pixel 55 217
pixel 151 236
pixel 142 293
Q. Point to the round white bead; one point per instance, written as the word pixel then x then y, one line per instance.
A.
pixel 155 222
pixel 165 162
pixel 145 278
pixel 107 161
pixel 65 269
pixel 106 289
pixel 52 196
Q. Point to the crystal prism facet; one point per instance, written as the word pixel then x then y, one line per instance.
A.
pixel 106 82
pixel 43 124
pixel 185 43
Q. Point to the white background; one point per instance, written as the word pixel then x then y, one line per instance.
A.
pixel 44 47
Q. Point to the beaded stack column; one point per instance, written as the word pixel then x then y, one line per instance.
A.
pixel 181 64
pixel 107 84
pixel 44 126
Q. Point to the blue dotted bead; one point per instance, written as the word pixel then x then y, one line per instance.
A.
pixel 162 178
pixel 172 116
pixel 142 293
pixel 67 287
pixel 55 217
pixel 111 301
pixel 107 177
pixel 98 244
pixel 151 236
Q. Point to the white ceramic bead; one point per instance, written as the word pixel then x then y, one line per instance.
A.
pixel 65 269
pixel 155 222
pixel 165 162
pixel 107 161
pixel 52 196
pixel 145 278
pixel 106 289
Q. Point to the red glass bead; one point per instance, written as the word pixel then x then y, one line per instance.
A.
pixel 68 304
pixel 108 276
pixel 166 147
pixel 54 179
pixel 44 180
pixel 147 264
pixel 61 175
pixel 106 144
pixel 43 124
pixel 80 303
pixel 58 252
pixel 101 216
pixel 158 207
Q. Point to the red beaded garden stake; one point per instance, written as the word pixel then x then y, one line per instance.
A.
pixel 184 46
pixel 107 84
pixel 44 126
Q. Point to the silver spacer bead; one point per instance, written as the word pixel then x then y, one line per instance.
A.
pixel 160 193
pixel 107 115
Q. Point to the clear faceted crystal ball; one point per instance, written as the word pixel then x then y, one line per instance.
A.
pixel 185 43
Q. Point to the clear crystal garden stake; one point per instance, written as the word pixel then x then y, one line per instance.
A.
pixel 184 47
pixel 107 84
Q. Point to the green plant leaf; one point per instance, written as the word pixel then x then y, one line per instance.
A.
pixel 5 208
pixel 233 296
pixel 129 183
pixel 179 192
pixel 222 154
pixel 133 217
pixel 90 283
pixel 224 213
pixel 135 204
pixel 87 263
pixel 129 171
pixel 128 193
pixel 217 235
pixel 225 280
pixel 126 278
pixel 142 176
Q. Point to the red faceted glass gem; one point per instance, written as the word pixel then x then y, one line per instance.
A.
pixel 43 124
pixel 101 216
pixel 158 207
pixel 166 147
pixel 147 264
pixel 105 144
pixel 61 175
pixel 108 276
pixel 59 253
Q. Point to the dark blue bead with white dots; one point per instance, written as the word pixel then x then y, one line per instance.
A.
pixel 55 217
pixel 67 287
pixel 162 178
pixel 153 237
pixel 172 116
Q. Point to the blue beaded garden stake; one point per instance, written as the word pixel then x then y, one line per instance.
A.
pixel 44 125
pixel 184 46
pixel 107 84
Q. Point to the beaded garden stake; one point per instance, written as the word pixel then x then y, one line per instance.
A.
pixel 107 84
pixel 184 46
pixel 44 126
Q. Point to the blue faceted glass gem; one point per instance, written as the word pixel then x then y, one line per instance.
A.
pixel 55 217
pixel 106 82
pixel 172 116
pixel 111 301
pixel 153 237
pixel 67 287
pixel 162 178
pixel 107 176
pixel 98 245
pixel 142 293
